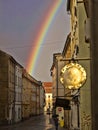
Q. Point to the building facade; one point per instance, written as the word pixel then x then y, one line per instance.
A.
pixel 26 95
pixel 80 42
pixel 48 96
pixel 21 95
pixel 58 90
pixel 42 98
pixel 77 50
pixel 7 85
pixel 18 92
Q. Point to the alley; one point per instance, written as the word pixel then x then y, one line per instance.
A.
pixel 41 122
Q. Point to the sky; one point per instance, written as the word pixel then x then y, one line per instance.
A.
pixel 20 22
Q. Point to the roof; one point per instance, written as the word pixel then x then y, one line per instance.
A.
pixel 48 87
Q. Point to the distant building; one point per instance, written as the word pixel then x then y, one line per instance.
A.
pixel 58 90
pixel 48 95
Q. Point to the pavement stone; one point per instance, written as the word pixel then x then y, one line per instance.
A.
pixel 42 122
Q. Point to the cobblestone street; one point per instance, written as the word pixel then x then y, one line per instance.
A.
pixel 41 122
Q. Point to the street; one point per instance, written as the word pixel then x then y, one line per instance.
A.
pixel 41 122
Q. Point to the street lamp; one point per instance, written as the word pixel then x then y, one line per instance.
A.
pixel 72 76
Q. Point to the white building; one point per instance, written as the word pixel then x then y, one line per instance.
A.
pixel 18 92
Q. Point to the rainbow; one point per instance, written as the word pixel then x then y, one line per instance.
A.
pixel 41 35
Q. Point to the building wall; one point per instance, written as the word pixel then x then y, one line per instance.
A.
pixel 11 90
pixel 74 113
pixel 26 94
pixel 3 87
pixel 54 82
pixel 81 51
pixel 18 93
pixel 22 96
pixel 33 98
pixel 38 99
pixel 74 27
pixel 84 53
pixel 59 89
pixel 42 99
pixel 7 83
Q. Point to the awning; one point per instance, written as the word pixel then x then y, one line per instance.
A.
pixel 65 103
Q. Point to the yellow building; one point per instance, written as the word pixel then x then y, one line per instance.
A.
pixel 48 96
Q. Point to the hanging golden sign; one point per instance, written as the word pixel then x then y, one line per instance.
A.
pixel 73 76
